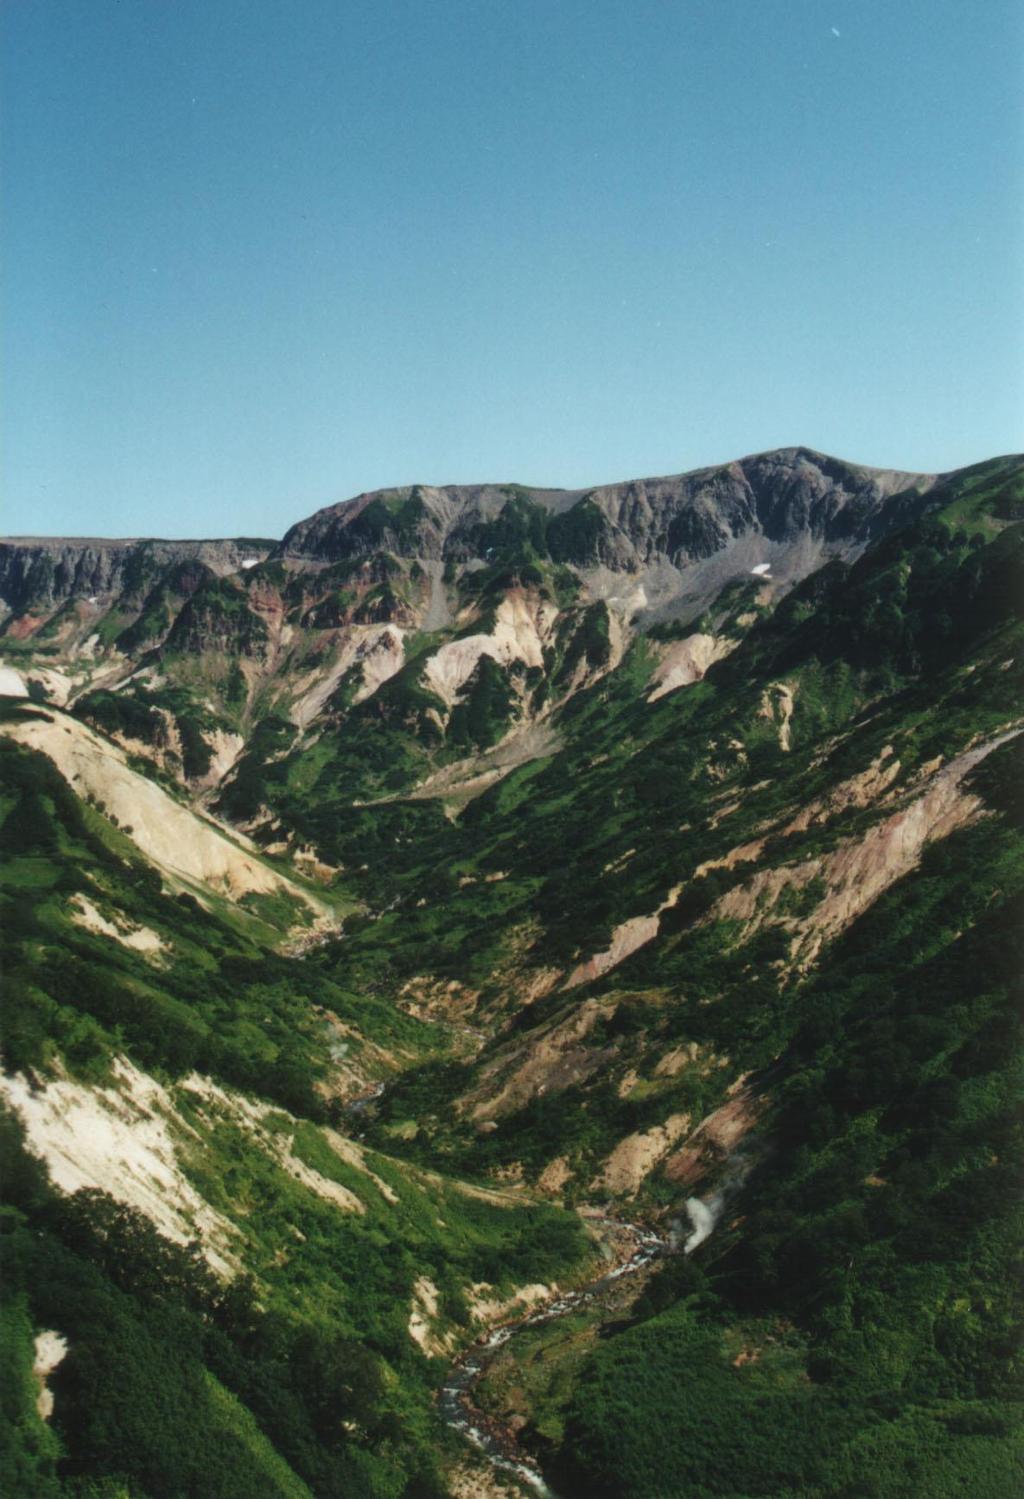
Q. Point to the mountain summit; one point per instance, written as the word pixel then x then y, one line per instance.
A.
pixel 782 495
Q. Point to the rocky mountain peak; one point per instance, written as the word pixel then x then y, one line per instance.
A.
pixel 786 495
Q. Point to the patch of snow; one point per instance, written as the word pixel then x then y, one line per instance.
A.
pixel 762 570
pixel 251 562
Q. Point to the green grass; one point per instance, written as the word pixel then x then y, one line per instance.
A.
pixel 233 1418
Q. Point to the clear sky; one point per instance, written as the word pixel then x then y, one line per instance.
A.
pixel 264 254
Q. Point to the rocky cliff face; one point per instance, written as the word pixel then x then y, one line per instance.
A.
pixel 783 496
pixel 38 574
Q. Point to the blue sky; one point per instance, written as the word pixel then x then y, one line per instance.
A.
pixel 264 254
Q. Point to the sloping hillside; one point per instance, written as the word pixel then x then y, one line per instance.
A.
pixel 479 868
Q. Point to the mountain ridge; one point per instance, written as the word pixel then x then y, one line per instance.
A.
pixel 557 493
pixel 449 507
pixel 649 550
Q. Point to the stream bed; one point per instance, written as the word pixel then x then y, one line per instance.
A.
pixel 493 1437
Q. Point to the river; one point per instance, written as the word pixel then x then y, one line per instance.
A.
pixel 493 1437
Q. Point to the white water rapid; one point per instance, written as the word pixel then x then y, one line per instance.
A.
pixel 494 1438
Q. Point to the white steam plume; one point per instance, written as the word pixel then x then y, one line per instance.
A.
pixel 703 1217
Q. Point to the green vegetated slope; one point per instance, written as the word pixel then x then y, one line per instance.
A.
pixel 753 935
pixel 300 1375
pixel 852 1329
pixel 647 797
pixel 210 992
